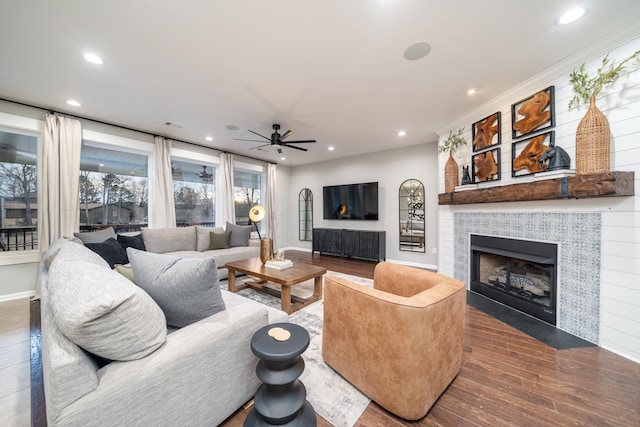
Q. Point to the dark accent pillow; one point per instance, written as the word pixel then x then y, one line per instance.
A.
pixel 219 240
pixel 135 242
pixel 110 250
pixel 240 234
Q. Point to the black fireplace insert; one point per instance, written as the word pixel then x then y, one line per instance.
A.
pixel 519 273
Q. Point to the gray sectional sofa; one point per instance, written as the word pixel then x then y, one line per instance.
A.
pixel 109 357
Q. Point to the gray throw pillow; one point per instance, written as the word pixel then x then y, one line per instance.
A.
pixel 187 289
pixel 240 234
pixel 96 236
pixel 104 313
pixel 219 240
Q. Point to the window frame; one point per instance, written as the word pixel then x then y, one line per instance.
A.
pixel 31 127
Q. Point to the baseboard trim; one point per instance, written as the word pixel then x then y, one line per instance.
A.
pixel 9 297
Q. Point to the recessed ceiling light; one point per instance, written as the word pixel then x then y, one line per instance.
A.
pixel 93 58
pixel 100 164
pixel 209 138
pixel 401 133
pixel 471 91
pixel 571 16
pixel 331 148
pixel 417 51
pixel 283 158
pixel 73 102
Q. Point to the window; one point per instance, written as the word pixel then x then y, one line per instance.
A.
pixel 194 192
pixel 247 193
pixel 18 191
pixel 113 188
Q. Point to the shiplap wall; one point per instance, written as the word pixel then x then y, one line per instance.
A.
pixel 620 257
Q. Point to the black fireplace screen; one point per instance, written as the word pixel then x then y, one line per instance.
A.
pixel 518 273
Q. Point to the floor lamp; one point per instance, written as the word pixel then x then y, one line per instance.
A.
pixel 256 213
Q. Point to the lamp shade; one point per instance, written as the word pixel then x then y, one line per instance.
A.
pixel 256 213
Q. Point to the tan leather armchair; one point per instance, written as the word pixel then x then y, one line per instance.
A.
pixel 400 342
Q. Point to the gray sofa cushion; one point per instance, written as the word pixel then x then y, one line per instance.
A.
pixel 187 289
pixel 202 236
pixel 240 234
pixel 96 236
pixel 103 312
pixel 162 240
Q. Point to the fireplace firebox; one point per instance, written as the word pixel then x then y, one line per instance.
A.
pixel 518 273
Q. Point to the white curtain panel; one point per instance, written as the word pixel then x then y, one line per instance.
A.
pixel 60 213
pixel 270 207
pixel 226 210
pixel 162 212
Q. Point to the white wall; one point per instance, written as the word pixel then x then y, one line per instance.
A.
pixel 390 168
pixel 620 266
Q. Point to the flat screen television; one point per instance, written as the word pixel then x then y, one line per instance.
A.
pixel 351 201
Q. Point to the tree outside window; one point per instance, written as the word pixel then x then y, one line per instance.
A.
pixel 113 189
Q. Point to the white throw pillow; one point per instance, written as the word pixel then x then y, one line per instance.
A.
pixel 103 312
pixel 187 289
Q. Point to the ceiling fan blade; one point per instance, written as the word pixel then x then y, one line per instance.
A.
pixel 256 133
pixel 304 141
pixel 293 146
pixel 286 134
pixel 260 146
pixel 250 140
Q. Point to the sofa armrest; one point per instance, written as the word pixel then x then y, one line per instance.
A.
pixel 200 376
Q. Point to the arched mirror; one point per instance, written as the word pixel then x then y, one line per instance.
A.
pixel 412 221
pixel 305 211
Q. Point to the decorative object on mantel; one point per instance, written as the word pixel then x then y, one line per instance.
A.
pixel 466 178
pixel 526 154
pixel 556 158
pixel 534 113
pixel 451 144
pixel 593 133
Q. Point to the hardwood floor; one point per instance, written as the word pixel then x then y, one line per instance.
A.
pixel 511 379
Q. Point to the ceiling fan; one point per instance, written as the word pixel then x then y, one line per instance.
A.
pixel 278 140
pixel 204 175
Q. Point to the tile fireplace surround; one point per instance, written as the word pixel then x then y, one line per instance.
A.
pixel 578 236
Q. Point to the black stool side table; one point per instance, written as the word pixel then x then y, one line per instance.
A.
pixel 281 399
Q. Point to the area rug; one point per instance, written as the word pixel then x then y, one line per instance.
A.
pixel 331 396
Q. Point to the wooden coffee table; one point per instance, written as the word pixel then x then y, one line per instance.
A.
pixel 285 278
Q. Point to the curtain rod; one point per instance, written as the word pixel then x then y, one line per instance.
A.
pixel 49 110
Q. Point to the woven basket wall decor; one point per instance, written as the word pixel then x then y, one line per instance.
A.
pixel 593 142
pixel 450 175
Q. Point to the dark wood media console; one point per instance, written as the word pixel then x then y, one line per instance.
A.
pixel 350 243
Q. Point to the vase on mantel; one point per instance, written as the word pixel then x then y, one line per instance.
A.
pixel 451 180
pixel 593 146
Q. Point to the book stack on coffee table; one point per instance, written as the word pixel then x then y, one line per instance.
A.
pixel 278 264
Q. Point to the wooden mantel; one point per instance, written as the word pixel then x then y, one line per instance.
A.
pixel 610 184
